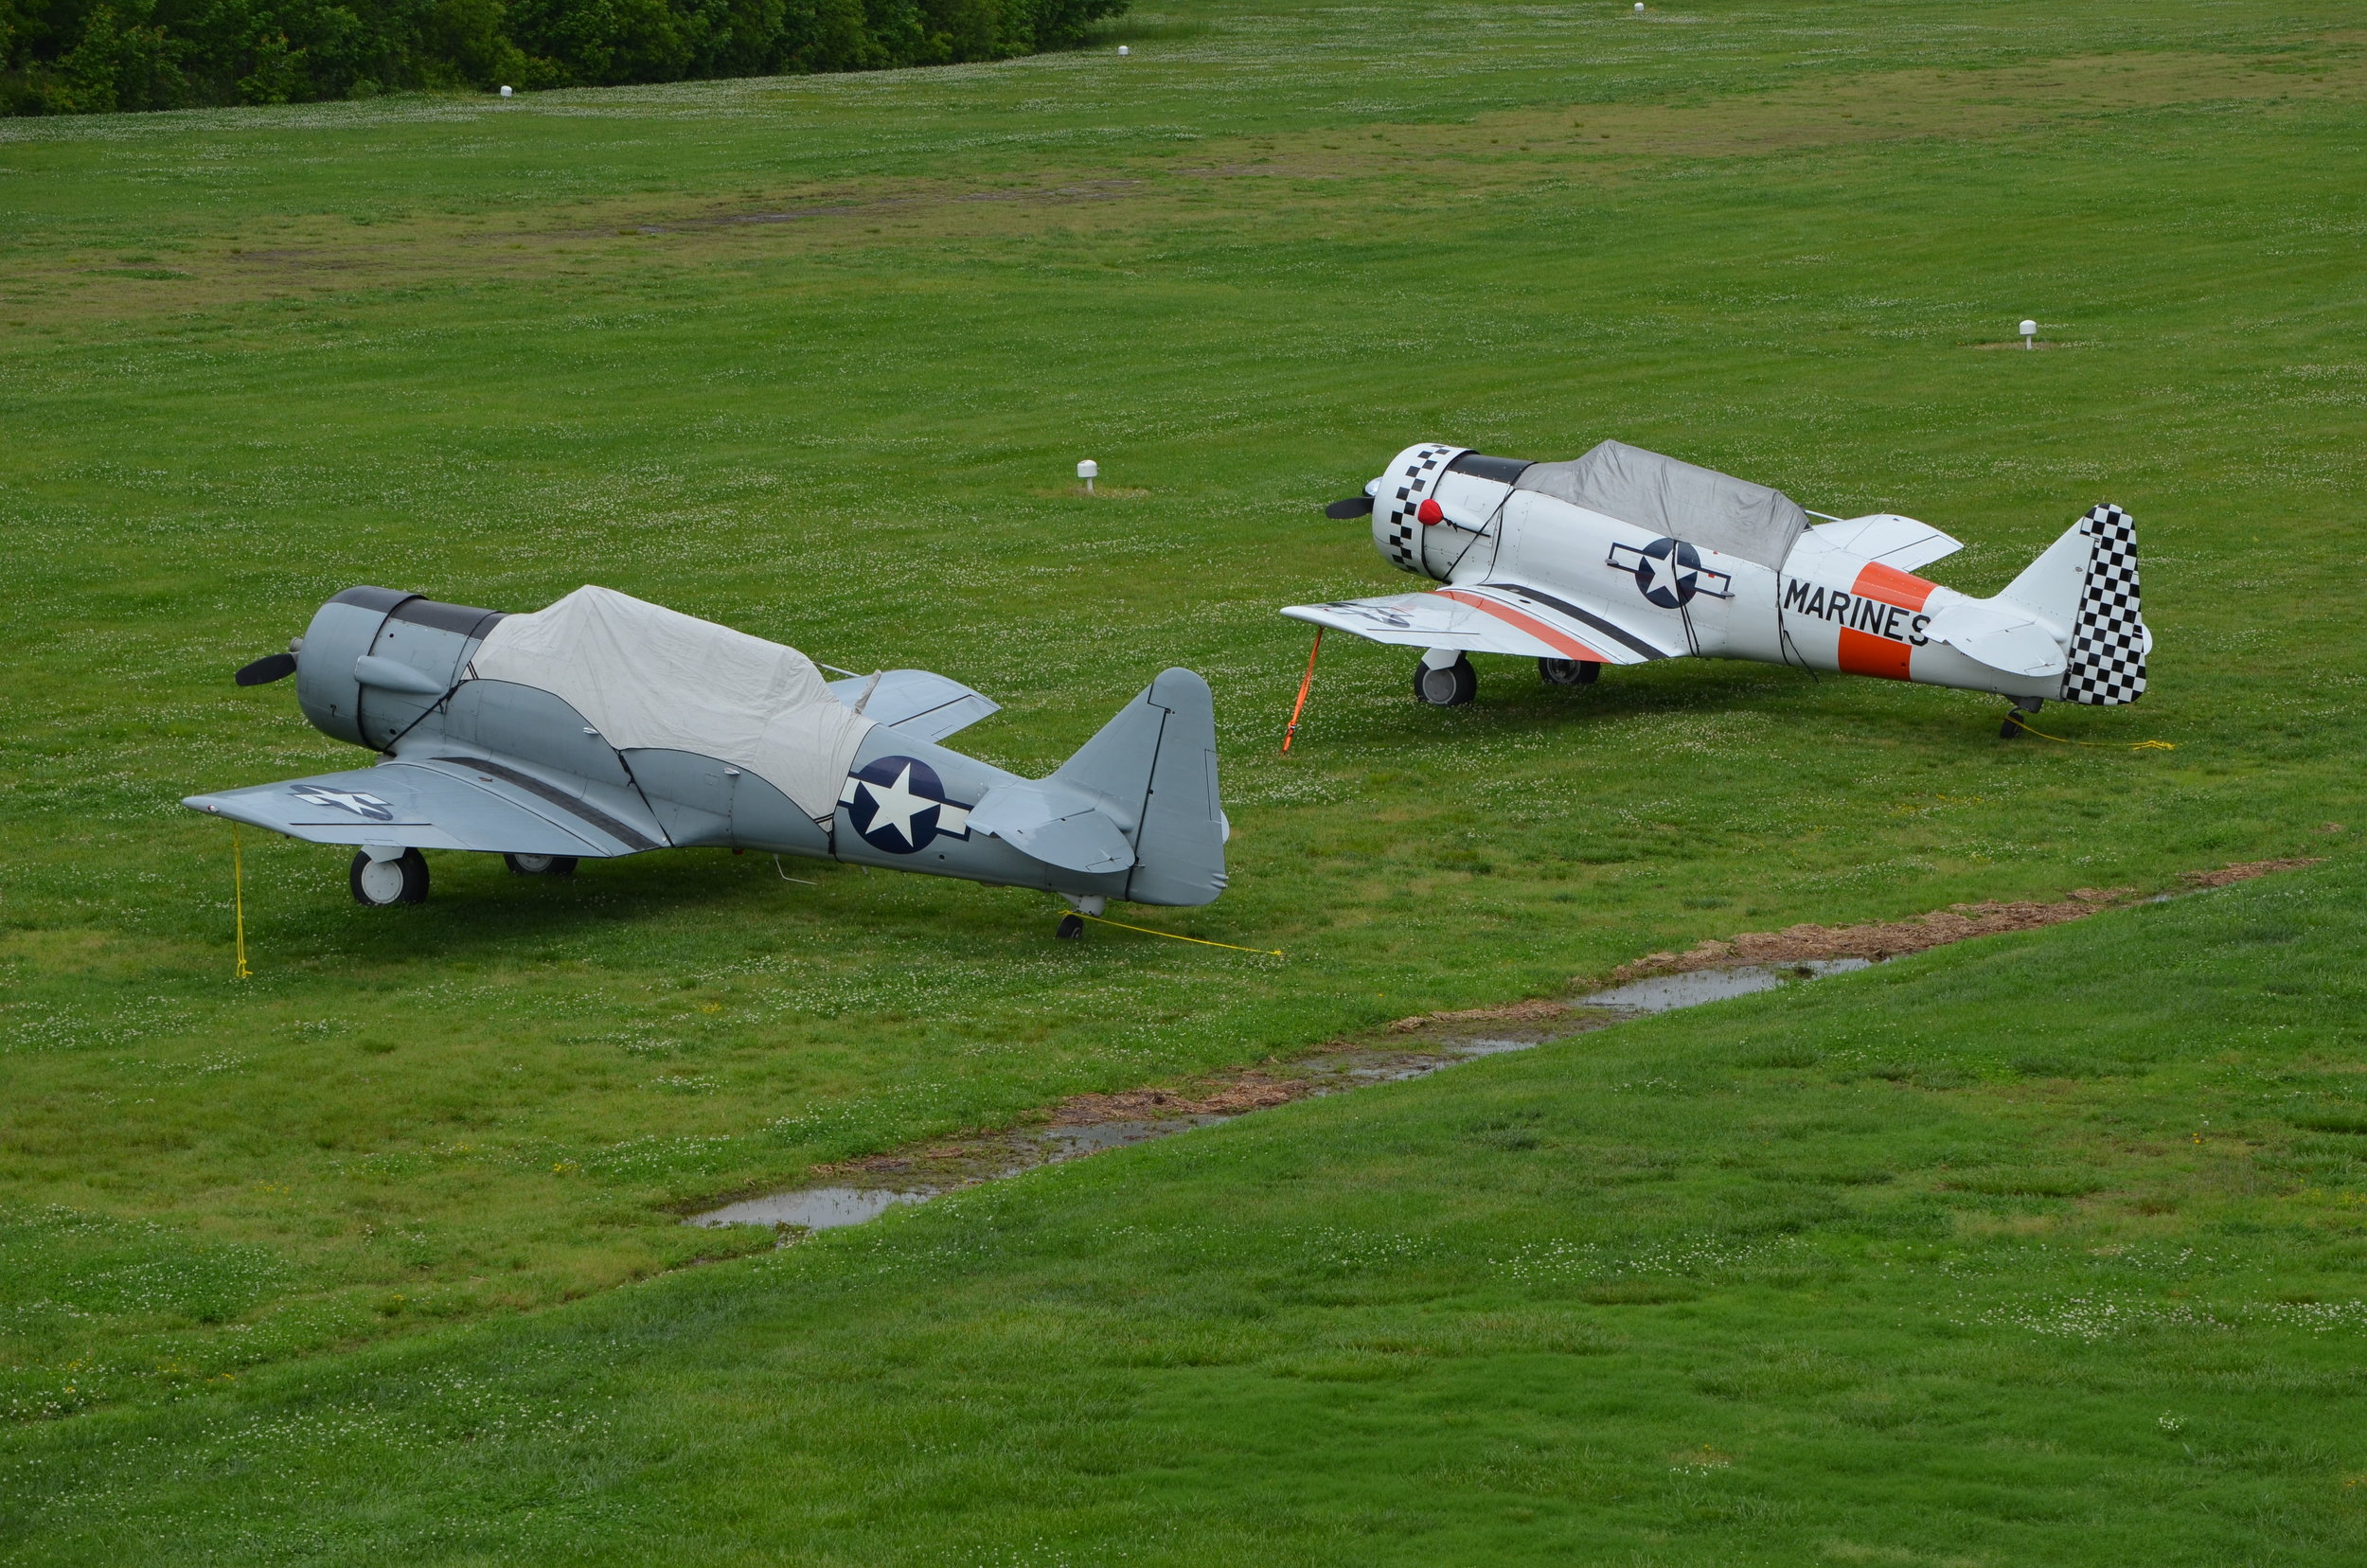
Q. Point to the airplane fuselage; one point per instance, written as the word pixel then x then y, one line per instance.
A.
pixel 1596 589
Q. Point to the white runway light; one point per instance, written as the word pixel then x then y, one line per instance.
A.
pixel 2029 330
pixel 1089 470
pixel 505 92
pixel 1639 8
pixel 1123 51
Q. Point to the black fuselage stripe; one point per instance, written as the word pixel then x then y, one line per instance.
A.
pixel 623 833
pixel 1584 617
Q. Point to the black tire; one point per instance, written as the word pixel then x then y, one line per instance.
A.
pixel 1069 928
pixel 1451 687
pixel 540 866
pixel 1569 672
pixel 378 883
pixel 2011 728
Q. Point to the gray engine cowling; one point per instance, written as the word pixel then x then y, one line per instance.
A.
pixel 375 659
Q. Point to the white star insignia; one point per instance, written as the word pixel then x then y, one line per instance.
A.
pixel 1668 573
pixel 896 806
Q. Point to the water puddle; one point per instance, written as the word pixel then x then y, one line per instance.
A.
pixel 815 1208
pixel 1690 989
pixel 864 1189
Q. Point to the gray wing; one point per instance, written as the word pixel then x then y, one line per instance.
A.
pixel 460 803
pixel 914 702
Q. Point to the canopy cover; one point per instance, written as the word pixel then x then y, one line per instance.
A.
pixel 647 676
pixel 1699 506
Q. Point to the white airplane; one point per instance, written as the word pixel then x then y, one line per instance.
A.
pixel 1625 556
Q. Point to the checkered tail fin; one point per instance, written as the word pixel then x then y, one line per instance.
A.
pixel 2105 663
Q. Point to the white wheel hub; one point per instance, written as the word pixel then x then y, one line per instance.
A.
pixel 382 882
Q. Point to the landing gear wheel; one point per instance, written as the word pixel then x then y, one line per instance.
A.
pixel 379 882
pixel 1450 687
pixel 1071 928
pixel 541 865
pixel 1568 671
pixel 2014 717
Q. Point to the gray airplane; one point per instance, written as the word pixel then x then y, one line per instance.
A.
pixel 604 726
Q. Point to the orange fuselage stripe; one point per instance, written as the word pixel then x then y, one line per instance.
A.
pixel 1567 645
pixel 1891 586
pixel 1863 653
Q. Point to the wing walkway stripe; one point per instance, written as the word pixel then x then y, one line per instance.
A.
pixel 623 833
pixel 1535 627
pixel 1585 618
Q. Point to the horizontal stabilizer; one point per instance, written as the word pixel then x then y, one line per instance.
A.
pixel 1899 543
pixel 914 702
pixel 1998 636
pixel 1058 826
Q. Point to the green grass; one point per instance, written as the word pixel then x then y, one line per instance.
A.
pixel 2045 1248
pixel 817 358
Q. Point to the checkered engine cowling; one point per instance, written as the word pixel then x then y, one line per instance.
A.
pixel 1406 483
pixel 2107 662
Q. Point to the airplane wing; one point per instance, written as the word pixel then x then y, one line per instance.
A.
pixel 1495 617
pixel 1896 541
pixel 914 702
pixel 445 803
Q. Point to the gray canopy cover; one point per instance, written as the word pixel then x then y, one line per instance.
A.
pixel 1701 506
pixel 650 677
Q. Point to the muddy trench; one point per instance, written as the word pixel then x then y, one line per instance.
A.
pixel 852 1191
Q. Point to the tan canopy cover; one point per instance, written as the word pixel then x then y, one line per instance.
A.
pixel 1678 500
pixel 647 676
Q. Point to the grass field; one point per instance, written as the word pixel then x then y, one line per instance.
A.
pixel 816 358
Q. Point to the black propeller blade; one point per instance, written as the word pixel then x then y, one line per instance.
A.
pixel 270 667
pixel 1355 506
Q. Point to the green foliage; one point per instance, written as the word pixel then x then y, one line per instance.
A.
pixel 95 56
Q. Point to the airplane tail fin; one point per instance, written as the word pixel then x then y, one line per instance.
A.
pixel 2087 583
pixel 1153 771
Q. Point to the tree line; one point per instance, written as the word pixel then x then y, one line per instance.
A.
pixel 84 57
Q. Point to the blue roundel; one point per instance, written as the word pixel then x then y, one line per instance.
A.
pixel 896 803
pixel 1669 573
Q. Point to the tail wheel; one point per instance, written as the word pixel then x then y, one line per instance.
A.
pixel 1450 686
pixel 1069 928
pixel 379 882
pixel 1570 672
pixel 541 865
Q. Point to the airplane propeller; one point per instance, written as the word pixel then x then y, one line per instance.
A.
pixel 1355 506
pixel 270 667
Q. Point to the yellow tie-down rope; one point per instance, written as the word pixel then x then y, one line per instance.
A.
pixel 1177 937
pixel 2012 717
pixel 238 901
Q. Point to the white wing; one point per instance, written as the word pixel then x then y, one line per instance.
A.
pixel 1497 617
pixel 1896 541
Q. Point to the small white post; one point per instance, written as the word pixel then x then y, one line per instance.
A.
pixel 1088 470
pixel 1123 51
pixel 505 92
pixel 2029 330
pixel 1639 8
